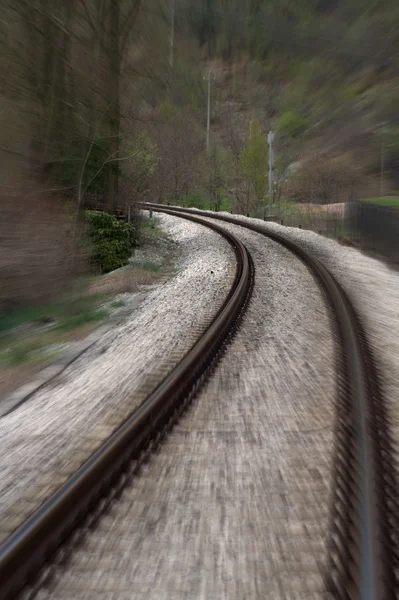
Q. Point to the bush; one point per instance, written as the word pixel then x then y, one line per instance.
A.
pixel 292 123
pixel 112 240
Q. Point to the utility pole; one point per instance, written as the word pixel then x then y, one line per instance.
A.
pixel 208 122
pixel 270 139
pixel 172 35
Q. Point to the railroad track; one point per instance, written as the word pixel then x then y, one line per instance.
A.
pixel 364 527
pixel 363 551
pixel 26 555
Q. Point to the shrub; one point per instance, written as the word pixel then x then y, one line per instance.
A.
pixel 112 240
pixel 292 123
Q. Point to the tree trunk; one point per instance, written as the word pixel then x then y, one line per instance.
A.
pixel 114 109
pixel 45 81
pixel 64 113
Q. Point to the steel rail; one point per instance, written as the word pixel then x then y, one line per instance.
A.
pixel 33 544
pixel 364 515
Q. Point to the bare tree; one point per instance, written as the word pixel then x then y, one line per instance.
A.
pixel 324 180
pixel 180 150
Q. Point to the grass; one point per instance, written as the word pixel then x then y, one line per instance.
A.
pixel 389 201
pixel 198 201
pixel 147 266
pixel 38 334
pixel 151 227
pixel 33 335
pixel 27 334
pixel 76 321
pixel 27 353
pixel 60 312
pixel 118 303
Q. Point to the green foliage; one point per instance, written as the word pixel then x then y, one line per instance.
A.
pixel 388 201
pixel 292 123
pixel 28 335
pixel 25 351
pixel 166 110
pixel 151 227
pixel 112 240
pixel 88 316
pixel 144 158
pixel 148 265
pixel 111 254
pixel 118 303
pixel 45 313
pixel 226 204
pixel 141 165
pixel 254 160
pixel 195 200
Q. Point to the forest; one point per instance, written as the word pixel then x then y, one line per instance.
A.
pixel 104 103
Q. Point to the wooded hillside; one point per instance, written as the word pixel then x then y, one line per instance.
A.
pixel 105 102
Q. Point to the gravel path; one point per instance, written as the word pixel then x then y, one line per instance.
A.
pixel 49 437
pixel 235 505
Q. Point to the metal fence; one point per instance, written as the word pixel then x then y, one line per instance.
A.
pixel 374 228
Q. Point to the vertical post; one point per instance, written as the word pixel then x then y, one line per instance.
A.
pixel 172 35
pixel 208 122
pixel 270 139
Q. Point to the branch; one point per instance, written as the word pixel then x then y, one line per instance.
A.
pixel 80 195
pixel 108 161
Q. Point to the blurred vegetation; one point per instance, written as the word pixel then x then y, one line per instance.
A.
pixel 254 161
pixel 389 201
pixel 112 240
pixel 57 314
pixel 292 123
pixel 99 112
pixel 37 334
pixel 310 71
pixel 198 200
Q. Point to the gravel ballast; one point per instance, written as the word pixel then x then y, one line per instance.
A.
pixel 235 503
pixel 46 439
pixel 373 288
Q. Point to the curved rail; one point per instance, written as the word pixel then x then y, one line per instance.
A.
pixel 364 519
pixel 30 546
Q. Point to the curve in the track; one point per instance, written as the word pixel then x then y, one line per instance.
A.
pixel 364 516
pixel 25 553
